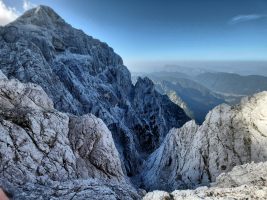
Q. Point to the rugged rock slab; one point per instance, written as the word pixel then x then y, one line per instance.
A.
pixel 69 190
pixel 192 155
pixel 248 181
pixel 94 148
pixel 46 153
pixel 83 75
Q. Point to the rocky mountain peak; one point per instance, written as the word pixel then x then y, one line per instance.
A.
pixel 145 83
pixel 84 75
pixel 43 16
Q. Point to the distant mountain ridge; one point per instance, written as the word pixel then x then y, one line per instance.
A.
pixel 233 83
pixel 221 82
pixel 198 99
pixel 195 99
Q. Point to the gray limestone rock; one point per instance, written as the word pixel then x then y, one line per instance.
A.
pixel 192 155
pixel 69 190
pixel 94 148
pixel 243 182
pixel 47 154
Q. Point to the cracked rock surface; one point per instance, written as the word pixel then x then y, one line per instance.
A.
pixel 195 155
pixel 247 181
pixel 46 153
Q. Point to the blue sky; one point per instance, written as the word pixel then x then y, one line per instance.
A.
pixel 168 30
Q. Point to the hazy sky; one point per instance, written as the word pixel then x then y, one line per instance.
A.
pixel 167 30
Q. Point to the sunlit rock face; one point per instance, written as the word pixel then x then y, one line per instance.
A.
pixel 192 155
pixel 243 182
pixel 47 153
pixel 83 75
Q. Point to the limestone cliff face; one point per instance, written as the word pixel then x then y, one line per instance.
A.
pixel 193 155
pixel 41 147
pixel 83 75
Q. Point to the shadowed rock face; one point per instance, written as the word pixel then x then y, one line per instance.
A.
pixel 83 75
pixel 44 152
pixel 195 155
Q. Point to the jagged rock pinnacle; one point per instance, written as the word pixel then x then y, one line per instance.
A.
pixel 43 16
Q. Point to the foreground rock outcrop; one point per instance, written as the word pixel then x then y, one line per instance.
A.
pixel 83 75
pixel 46 153
pixel 195 155
pixel 247 181
pixel 78 189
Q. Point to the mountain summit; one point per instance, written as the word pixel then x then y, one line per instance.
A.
pixel 42 16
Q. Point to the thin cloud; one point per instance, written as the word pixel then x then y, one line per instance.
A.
pixel 245 18
pixel 28 5
pixel 7 14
